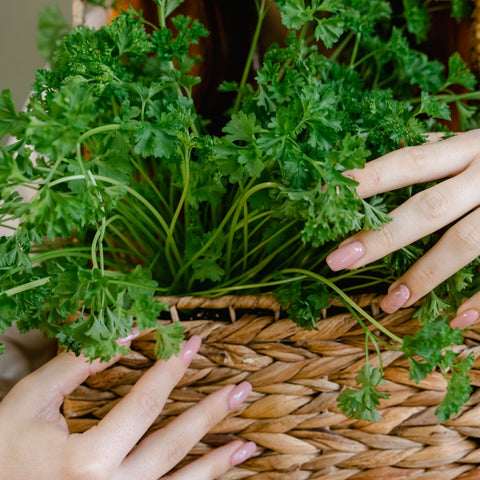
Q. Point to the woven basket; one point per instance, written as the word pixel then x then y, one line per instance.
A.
pixel 296 376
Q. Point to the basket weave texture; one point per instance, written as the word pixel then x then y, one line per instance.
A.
pixel 296 376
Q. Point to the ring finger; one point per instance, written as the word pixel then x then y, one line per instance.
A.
pixel 163 449
pixel 458 247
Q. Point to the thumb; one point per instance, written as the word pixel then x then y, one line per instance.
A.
pixel 48 386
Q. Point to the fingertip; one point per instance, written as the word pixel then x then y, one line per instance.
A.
pixel 396 298
pixel 345 255
pixel 465 319
pixel 243 453
pixel 190 348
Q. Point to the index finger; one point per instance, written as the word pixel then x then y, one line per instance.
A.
pixel 45 389
pixel 123 426
pixel 411 165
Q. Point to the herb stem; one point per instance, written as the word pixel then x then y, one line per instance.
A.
pixel 346 298
pixel 219 230
pixel 27 286
pixel 262 11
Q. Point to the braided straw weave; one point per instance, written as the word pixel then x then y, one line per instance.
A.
pixel 296 376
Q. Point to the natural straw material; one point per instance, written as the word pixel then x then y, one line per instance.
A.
pixel 296 377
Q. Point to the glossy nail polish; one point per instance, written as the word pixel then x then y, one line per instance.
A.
pixel 345 256
pixel 465 319
pixel 242 453
pixel 395 299
pixel 239 394
pixel 190 349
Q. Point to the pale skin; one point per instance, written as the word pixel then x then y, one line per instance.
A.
pixel 35 443
pixel 455 200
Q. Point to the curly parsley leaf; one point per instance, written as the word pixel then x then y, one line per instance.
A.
pixel 362 403
pixel 168 340
pixel 459 388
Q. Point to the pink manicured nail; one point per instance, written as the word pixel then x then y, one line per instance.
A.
pixel 125 340
pixel 243 453
pixel 345 256
pixel 465 319
pixel 190 349
pixel 395 299
pixel 238 395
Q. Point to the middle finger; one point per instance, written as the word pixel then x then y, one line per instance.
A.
pixel 421 215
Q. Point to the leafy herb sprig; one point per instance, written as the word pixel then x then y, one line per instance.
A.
pixel 119 192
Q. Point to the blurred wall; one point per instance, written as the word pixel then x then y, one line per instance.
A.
pixel 18 44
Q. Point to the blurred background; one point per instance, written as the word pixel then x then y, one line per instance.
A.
pixel 18 44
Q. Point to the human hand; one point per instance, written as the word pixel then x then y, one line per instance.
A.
pixel 35 442
pixel 455 199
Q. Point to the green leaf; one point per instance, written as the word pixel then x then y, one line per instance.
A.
pixel 362 404
pixel 304 304
pixel 8 114
pixel 376 215
pixel 168 339
pixel 459 74
pixel 146 311
pixel 417 17
pixel 433 107
pixel 52 26
pixel 459 388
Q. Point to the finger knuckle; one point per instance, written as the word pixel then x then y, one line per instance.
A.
pixel 416 158
pixel 211 419
pixel 80 468
pixel 466 236
pixel 176 448
pixel 386 237
pixel 148 404
pixel 432 204
pixel 423 276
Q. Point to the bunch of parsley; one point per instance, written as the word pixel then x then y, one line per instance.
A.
pixel 119 193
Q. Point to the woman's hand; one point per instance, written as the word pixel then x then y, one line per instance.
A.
pixel 35 443
pixel 455 199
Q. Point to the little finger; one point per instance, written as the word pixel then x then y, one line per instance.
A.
pixel 458 247
pixel 216 462
pixel 468 313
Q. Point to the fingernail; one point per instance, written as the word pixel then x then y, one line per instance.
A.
pixel 125 340
pixel 345 256
pixel 465 319
pixel 239 394
pixel 243 453
pixel 395 299
pixel 189 349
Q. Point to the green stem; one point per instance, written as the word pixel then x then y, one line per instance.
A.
pixel 102 129
pixel 238 209
pixel 356 45
pixel 27 286
pixel 346 298
pixel 219 229
pixel 213 292
pixel 156 214
pixel 262 11
pixel 261 246
pixel 162 21
pixel 138 165
pixel 169 242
